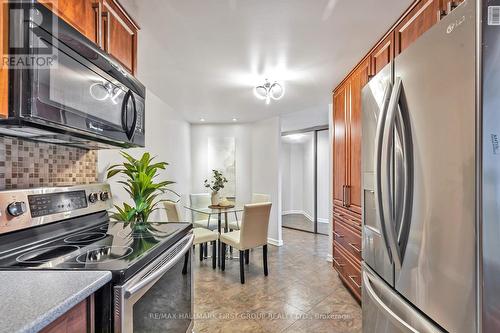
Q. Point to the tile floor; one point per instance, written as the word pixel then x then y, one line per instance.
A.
pixel 301 294
pixel 299 221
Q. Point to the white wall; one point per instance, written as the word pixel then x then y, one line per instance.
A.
pixel 257 163
pixel 266 178
pixel 304 119
pixel 243 156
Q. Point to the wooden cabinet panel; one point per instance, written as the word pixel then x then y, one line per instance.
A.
pixel 81 14
pixel 340 106
pixel 4 72
pixel 349 238
pixel 358 81
pixel 420 19
pixel 349 270
pixel 382 54
pixel 347 216
pixel 73 321
pixel 120 36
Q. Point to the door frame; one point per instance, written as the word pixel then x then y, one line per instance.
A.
pixel 314 129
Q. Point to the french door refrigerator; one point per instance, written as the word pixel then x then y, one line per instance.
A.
pixel 431 180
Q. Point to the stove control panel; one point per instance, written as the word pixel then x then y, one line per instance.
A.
pixel 21 209
pixel 51 203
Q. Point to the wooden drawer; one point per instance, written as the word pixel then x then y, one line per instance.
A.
pixel 347 217
pixel 349 271
pixel 348 237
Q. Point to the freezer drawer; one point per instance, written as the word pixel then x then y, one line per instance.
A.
pixel 385 311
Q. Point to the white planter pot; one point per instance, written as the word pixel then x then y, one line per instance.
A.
pixel 215 198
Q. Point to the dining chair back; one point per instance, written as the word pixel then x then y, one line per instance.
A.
pixel 255 223
pixel 199 200
pixel 260 197
pixel 173 213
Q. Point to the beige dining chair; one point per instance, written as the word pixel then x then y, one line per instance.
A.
pixel 201 220
pixel 256 198
pixel 202 236
pixel 253 233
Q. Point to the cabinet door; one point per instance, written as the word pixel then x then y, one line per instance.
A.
pixel 120 35
pixel 340 106
pixel 420 19
pixel 73 321
pixel 80 14
pixel 358 81
pixel 382 54
pixel 4 82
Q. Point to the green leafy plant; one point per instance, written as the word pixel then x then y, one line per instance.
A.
pixel 140 184
pixel 217 183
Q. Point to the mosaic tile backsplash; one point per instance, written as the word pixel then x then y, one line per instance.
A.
pixel 26 164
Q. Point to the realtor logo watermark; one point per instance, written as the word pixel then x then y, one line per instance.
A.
pixel 32 36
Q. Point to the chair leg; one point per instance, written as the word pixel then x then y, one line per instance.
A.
pixel 214 254
pixel 223 257
pixel 264 257
pixel 242 267
pixel 201 251
pixel 247 257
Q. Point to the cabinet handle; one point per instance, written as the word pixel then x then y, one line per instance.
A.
pixel 344 203
pixel 354 281
pixel 357 249
pixel 337 234
pixel 98 14
pixel 347 195
pixel 107 17
pixel 337 263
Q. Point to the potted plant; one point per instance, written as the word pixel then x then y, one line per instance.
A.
pixel 216 185
pixel 140 183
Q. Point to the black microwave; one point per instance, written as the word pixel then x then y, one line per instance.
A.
pixel 69 91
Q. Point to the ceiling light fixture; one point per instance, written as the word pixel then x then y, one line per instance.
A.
pixel 235 120
pixel 202 119
pixel 269 91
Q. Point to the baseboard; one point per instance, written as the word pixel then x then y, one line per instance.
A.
pixel 291 212
pixel 275 242
pixel 323 220
pixel 307 216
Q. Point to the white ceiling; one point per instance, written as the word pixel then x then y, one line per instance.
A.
pixel 203 57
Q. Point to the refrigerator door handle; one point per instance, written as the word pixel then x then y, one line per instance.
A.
pixel 388 142
pixel 404 132
pixel 384 292
pixel 379 205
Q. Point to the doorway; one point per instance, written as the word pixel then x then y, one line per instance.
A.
pixel 305 180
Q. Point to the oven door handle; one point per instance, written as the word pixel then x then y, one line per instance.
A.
pixel 160 271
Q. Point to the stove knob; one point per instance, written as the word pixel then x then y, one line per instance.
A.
pixel 16 208
pixel 104 196
pixel 93 197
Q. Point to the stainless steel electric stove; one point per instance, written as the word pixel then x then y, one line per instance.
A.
pixel 68 228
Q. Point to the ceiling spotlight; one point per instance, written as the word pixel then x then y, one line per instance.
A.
pixel 202 119
pixel 269 91
pixel 234 119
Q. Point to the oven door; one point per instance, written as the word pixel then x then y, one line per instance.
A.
pixel 160 297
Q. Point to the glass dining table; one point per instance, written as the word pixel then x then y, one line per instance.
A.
pixel 219 211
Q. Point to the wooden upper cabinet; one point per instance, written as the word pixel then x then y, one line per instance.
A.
pixel 340 110
pixel 119 35
pixel 358 80
pixel 382 54
pixel 80 14
pixel 420 19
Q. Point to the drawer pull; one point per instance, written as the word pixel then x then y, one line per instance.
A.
pixel 357 249
pixel 354 281
pixel 337 263
pixel 337 234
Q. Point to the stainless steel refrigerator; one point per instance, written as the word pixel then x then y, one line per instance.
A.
pixel 431 180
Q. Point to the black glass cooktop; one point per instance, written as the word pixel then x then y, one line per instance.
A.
pixel 114 246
